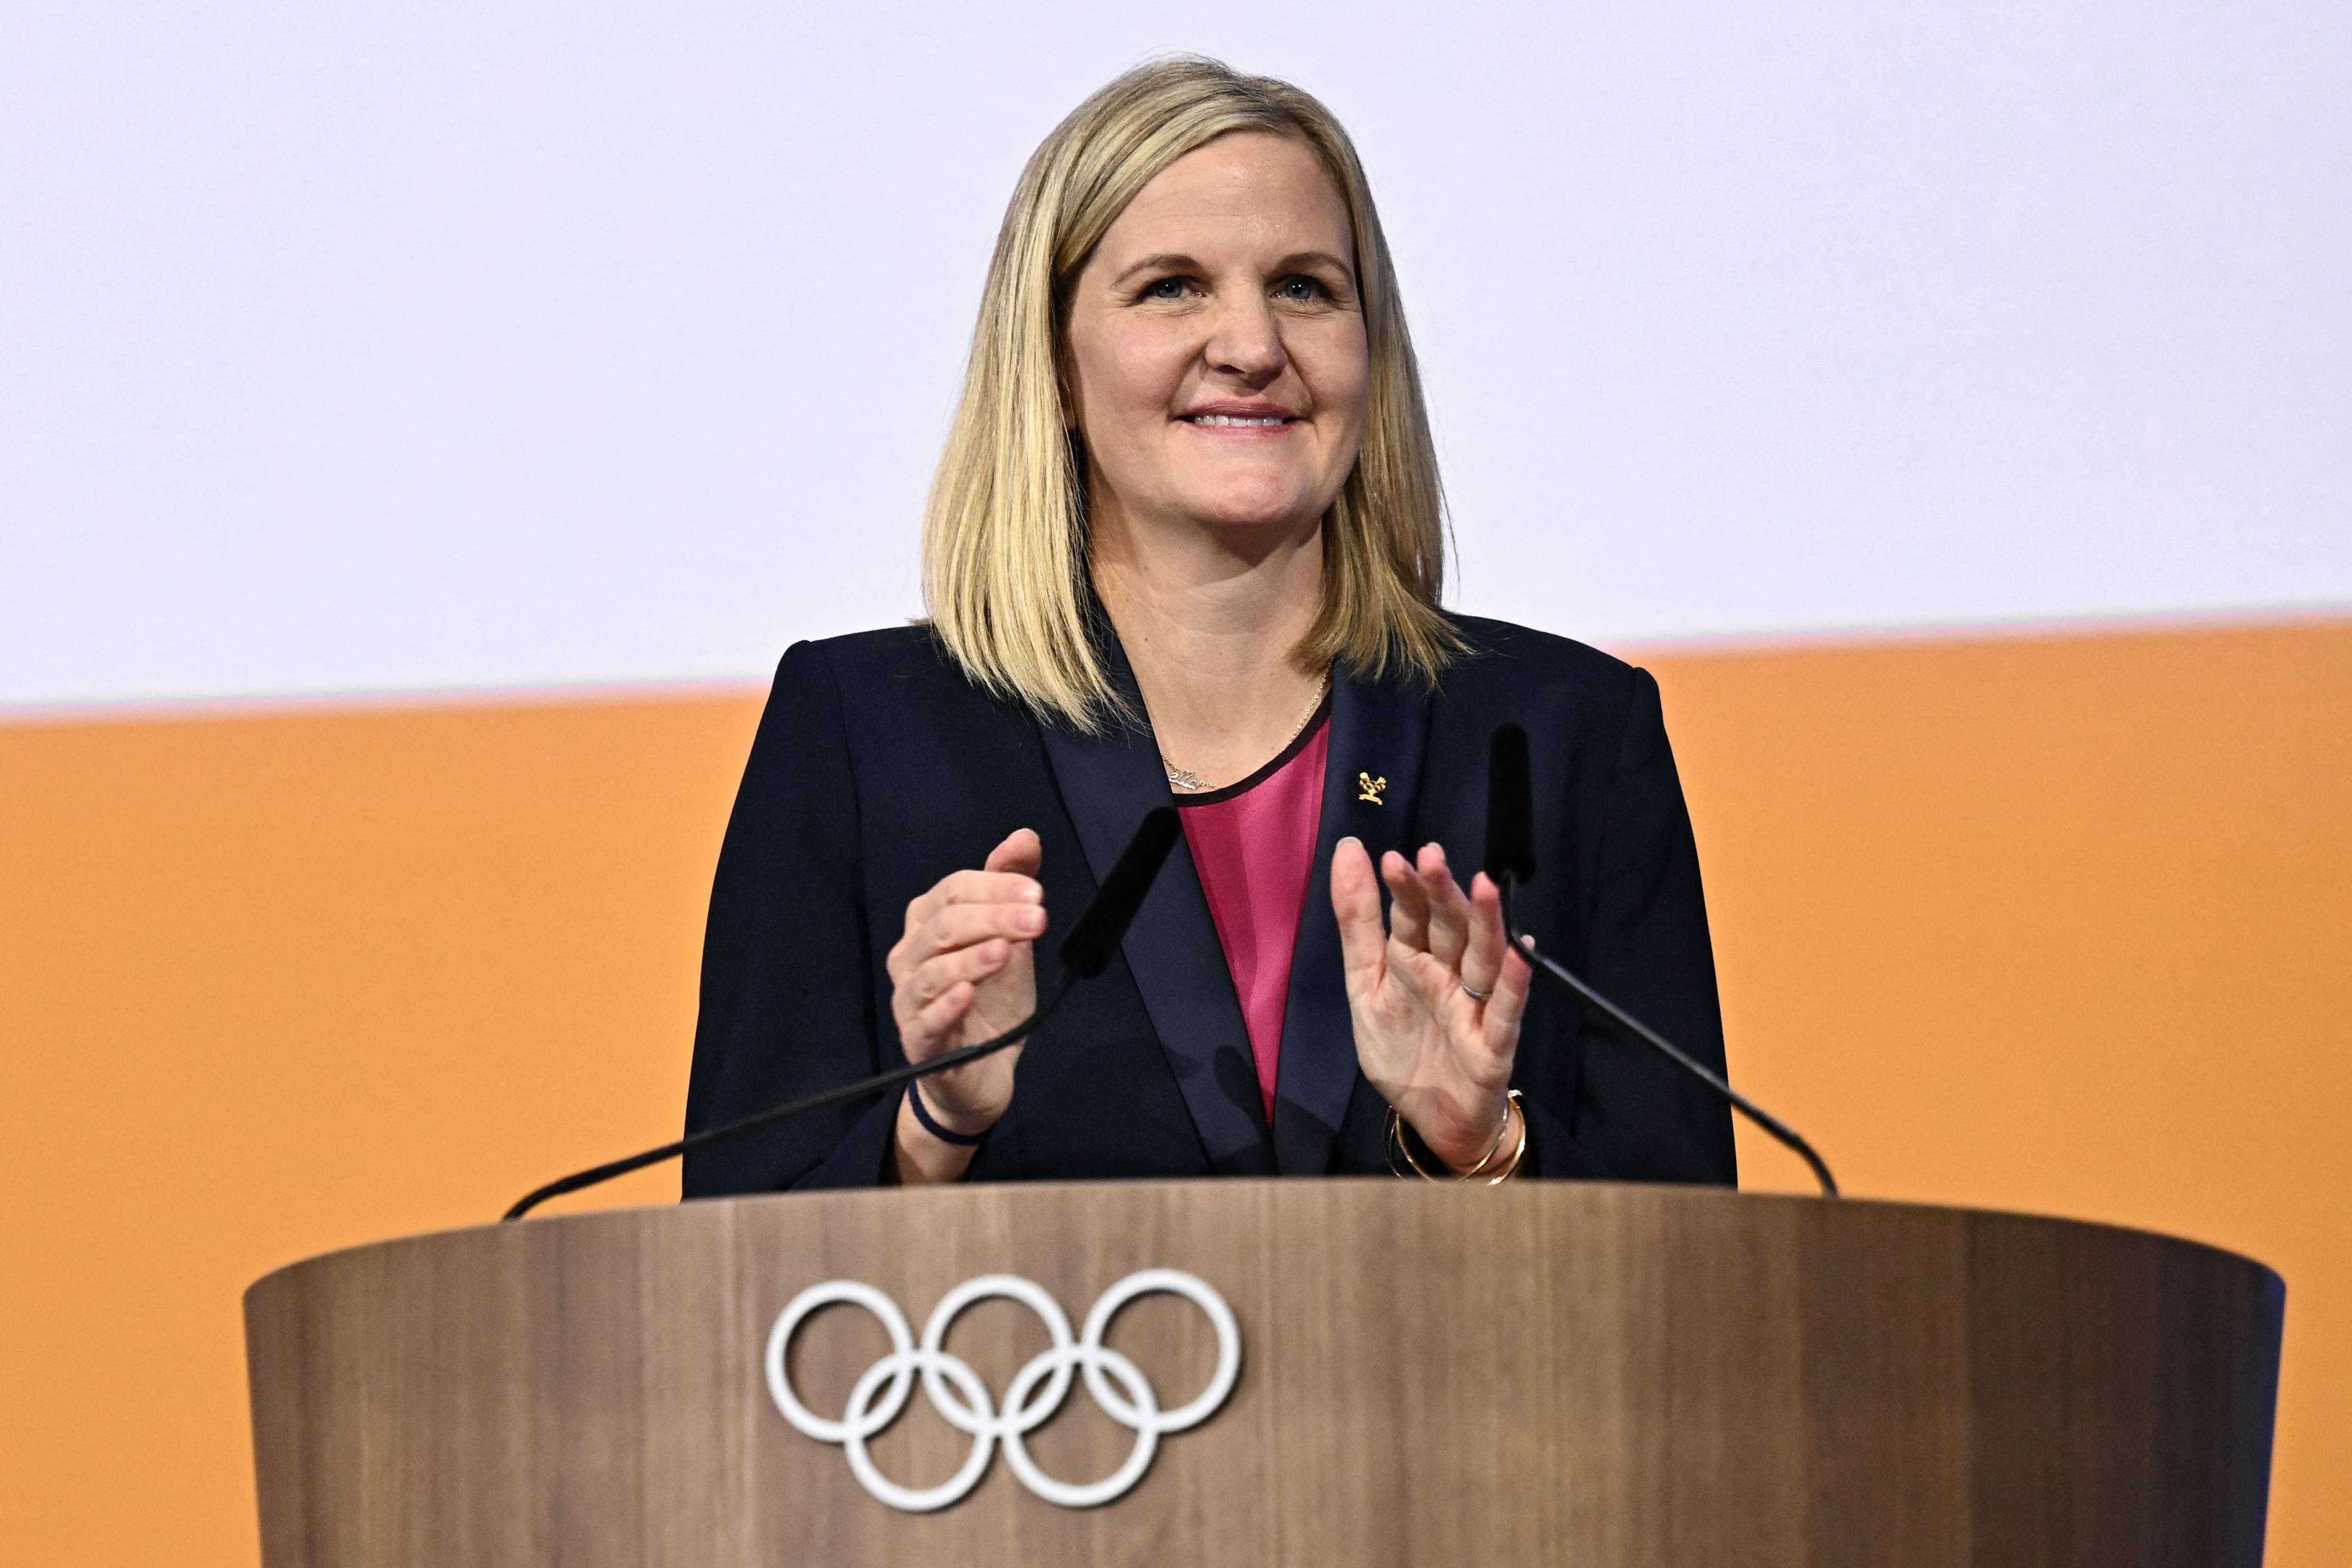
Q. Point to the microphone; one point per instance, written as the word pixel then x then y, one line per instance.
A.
pixel 1511 859
pixel 1086 953
pixel 1511 809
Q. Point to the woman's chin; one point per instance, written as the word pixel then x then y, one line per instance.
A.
pixel 1285 512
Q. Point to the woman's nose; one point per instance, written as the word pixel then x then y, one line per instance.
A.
pixel 1245 340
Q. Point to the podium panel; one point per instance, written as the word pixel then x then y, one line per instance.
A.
pixel 1260 1373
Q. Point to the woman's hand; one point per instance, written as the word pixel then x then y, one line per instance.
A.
pixel 964 971
pixel 1435 1052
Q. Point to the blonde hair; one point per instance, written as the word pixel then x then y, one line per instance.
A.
pixel 1004 533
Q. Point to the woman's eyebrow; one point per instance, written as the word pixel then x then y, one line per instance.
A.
pixel 1175 261
pixel 1167 261
pixel 1309 257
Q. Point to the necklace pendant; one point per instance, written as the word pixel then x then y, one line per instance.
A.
pixel 1186 779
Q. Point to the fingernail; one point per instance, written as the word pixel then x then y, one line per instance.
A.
pixel 1030 920
pixel 1029 892
pixel 1352 838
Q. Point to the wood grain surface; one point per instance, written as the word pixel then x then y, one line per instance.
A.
pixel 1430 1375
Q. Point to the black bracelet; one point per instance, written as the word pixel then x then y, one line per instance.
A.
pixel 923 1118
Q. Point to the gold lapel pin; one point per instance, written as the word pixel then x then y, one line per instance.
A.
pixel 1370 788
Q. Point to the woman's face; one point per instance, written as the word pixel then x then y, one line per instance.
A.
pixel 1216 343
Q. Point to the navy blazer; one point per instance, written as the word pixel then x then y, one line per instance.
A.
pixel 878 768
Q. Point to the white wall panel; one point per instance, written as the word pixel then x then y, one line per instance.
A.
pixel 388 347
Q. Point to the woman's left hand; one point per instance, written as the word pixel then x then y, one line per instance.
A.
pixel 1438 1054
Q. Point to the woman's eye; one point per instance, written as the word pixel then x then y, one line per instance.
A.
pixel 1300 290
pixel 1165 289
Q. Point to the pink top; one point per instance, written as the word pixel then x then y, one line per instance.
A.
pixel 1253 846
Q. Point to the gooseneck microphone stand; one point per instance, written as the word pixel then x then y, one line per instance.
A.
pixel 1545 964
pixel 1511 859
pixel 1093 940
pixel 791 1107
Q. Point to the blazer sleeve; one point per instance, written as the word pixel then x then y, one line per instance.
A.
pixel 788 1005
pixel 1637 1116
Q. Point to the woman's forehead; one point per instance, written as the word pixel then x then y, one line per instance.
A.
pixel 1250 191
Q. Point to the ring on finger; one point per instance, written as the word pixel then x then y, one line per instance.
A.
pixel 1473 991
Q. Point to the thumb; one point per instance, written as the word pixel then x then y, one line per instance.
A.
pixel 1356 905
pixel 1021 852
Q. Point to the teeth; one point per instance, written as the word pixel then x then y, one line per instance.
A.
pixel 1234 421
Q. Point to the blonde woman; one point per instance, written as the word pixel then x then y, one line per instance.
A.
pixel 1186 543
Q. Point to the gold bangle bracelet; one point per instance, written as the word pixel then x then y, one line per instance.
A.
pixel 1397 1145
pixel 1519 1151
pixel 1502 1130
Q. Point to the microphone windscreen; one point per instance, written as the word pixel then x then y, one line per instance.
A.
pixel 1087 951
pixel 1510 807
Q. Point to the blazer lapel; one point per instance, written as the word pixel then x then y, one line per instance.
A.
pixel 1379 732
pixel 1107 784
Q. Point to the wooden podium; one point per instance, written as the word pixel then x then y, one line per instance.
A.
pixel 1411 1374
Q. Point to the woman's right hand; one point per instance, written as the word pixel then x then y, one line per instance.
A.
pixel 964 971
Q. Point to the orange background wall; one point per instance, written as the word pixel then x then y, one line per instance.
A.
pixel 2056 924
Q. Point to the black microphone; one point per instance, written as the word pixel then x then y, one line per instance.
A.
pixel 1511 859
pixel 1086 953
pixel 1511 809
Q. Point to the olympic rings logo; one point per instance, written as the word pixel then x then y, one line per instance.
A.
pixel 1116 1384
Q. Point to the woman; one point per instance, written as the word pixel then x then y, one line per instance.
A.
pixel 1186 540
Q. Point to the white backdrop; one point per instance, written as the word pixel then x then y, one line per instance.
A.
pixel 413 346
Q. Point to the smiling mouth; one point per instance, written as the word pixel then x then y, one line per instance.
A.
pixel 1237 421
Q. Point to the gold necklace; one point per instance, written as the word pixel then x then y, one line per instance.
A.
pixel 1189 782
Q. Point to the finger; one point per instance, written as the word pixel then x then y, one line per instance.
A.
pixel 1355 904
pixel 1022 852
pixel 1408 903
pixel 1490 964
pixel 990 888
pixel 936 977
pixel 1509 1005
pixel 1019 857
pixel 974 887
pixel 1482 936
pixel 1449 911
pixel 932 1021
pixel 962 925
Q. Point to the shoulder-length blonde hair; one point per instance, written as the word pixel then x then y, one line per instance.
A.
pixel 1004 534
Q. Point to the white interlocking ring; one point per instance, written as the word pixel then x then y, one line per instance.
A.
pixel 962 1399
